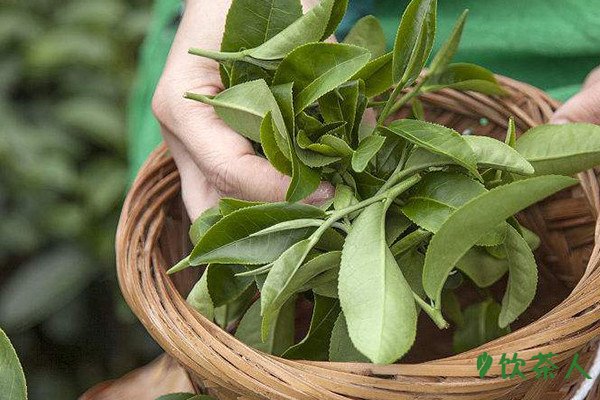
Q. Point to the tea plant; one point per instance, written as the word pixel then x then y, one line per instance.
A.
pixel 417 206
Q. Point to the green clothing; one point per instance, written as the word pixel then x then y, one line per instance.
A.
pixel 551 44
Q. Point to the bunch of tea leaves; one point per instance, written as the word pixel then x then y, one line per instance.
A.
pixel 419 209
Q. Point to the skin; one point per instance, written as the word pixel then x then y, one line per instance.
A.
pixel 213 160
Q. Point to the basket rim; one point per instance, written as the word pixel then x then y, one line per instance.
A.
pixel 153 297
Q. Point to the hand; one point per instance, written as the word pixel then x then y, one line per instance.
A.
pixel 212 159
pixel 584 106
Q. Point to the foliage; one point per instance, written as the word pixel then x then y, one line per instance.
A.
pixel 437 204
pixel 418 206
pixel 65 72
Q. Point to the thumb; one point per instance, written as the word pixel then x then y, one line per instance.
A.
pixel 252 177
pixel 583 107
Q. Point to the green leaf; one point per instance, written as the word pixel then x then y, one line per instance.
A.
pixel 227 205
pixel 437 139
pixel 229 241
pixel 414 40
pixel 281 335
pixel 243 106
pixel 341 348
pixel 289 274
pixel 437 196
pixel 448 49
pixel 12 378
pixel 223 284
pixel 411 264
pixel 341 104
pixel 482 268
pixel 270 147
pixel 492 153
pixel 367 185
pixel 377 75
pixel 315 345
pixel 480 326
pixel 464 76
pixel 337 14
pixel 511 133
pixel 451 307
pixel 199 297
pixel 250 23
pixel 522 278
pixel 531 238
pixel 390 154
pixel 561 149
pixel 305 180
pixel 488 153
pixel 208 218
pixel 289 225
pixel 230 313
pixel 311 27
pixel 344 197
pixel 318 68
pixel 396 224
pixel 368 33
pixel 473 220
pixel 410 241
pixel 177 396
pixel 367 149
pixel 377 301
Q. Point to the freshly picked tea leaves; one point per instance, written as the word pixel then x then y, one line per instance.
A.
pixel 419 210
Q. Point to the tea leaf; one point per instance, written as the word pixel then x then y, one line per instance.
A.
pixel 377 75
pixel 270 147
pixel 311 27
pixel 473 220
pixel 451 307
pixel 242 107
pixel 232 312
pixel 533 240
pixel 315 345
pixel 227 205
pixel 480 326
pixel 367 185
pixel 492 153
pixel 199 297
pixel 207 219
pixel 448 49
pixel 377 301
pixel 390 154
pixel 414 40
pixel 409 242
pixel 464 76
pixel 482 268
pixel 437 196
pixel 305 180
pixel 511 133
pixel 341 104
pixel 561 149
pixel 366 150
pixel 12 378
pixel 250 23
pixel 281 335
pixel 411 264
pixel 228 240
pixel 396 224
pixel 341 348
pixel 367 33
pixel 223 284
pixel 289 274
pixel 344 197
pixel 337 14
pixel 289 225
pixel 522 278
pixel 318 68
pixel 437 139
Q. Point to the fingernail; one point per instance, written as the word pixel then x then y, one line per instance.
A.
pixel 324 192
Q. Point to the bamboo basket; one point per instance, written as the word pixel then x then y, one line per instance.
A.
pixel 564 319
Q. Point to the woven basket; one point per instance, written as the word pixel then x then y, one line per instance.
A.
pixel 564 319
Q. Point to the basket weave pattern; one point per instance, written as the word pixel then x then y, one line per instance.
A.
pixel 565 318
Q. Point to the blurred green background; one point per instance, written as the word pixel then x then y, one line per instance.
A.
pixel 66 68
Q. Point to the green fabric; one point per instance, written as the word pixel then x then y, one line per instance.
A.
pixel 551 44
pixel 144 132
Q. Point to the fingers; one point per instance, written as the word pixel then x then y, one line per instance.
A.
pixel 583 107
pixel 196 192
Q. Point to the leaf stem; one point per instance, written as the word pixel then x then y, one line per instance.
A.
pixel 435 314
pixel 217 55
pixel 388 105
pixel 409 96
